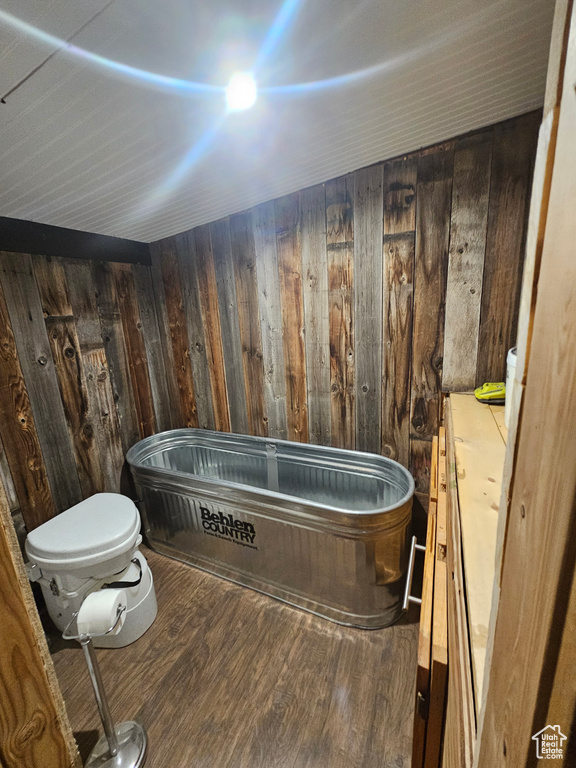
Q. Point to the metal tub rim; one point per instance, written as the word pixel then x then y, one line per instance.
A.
pixel 340 516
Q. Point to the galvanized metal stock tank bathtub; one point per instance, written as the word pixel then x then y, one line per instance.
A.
pixel 324 529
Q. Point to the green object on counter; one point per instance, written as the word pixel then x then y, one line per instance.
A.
pixel 491 392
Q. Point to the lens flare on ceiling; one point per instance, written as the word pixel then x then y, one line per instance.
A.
pixel 241 91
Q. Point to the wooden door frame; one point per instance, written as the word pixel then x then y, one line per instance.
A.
pixel 34 727
pixel 530 680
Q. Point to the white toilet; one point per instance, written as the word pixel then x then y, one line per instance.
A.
pixel 91 546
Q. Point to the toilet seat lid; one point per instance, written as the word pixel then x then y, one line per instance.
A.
pixel 89 532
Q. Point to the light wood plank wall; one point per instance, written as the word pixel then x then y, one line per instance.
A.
pixel 335 315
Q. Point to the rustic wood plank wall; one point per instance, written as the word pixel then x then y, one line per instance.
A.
pixel 335 315
pixel 82 377
pixel 338 314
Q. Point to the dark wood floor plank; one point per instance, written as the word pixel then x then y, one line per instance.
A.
pixel 228 677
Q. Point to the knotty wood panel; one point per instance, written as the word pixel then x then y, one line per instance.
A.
pixel 34 729
pixel 432 233
pixel 19 435
pixel 354 272
pixel 188 264
pixel 212 329
pixel 164 327
pixel 264 226
pixel 244 257
pixel 290 269
pixel 469 219
pixel 230 324
pixel 187 414
pixel 434 191
pixel 340 245
pixel 511 174
pixel 6 478
pixel 135 348
pixel 368 225
pixel 95 382
pixel 315 294
pixel 66 355
pixel 116 353
pixel 399 193
pixel 25 310
pixel 154 344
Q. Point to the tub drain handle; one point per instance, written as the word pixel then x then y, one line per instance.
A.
pixel 407 596
pixel 126 584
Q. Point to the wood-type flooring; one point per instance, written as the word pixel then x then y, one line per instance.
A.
pixel 229 678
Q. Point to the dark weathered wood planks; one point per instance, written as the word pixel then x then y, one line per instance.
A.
pixel 340 245
pixel 268 278
pixel 212 327
pixel 434 190
pixel 230 324
pixel 290 269
pixel 19 435
pixel 368 224
pixel 244 258
pixel 135 348
pixel 315 295
pixel 399 194
pixel 172 281
pixel 469 219
pixel 511 174
pixel 116 354
pixel 154 344
pixel 26 317
pixel 188 264
pixel 98 395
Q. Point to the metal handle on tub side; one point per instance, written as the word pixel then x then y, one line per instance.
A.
pixel 408 598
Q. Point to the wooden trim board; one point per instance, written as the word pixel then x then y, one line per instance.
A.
pixel 480 450
pixel 439 660
pixel 460 730
pixel 425 641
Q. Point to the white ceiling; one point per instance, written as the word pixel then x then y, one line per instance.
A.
pixel 85 146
